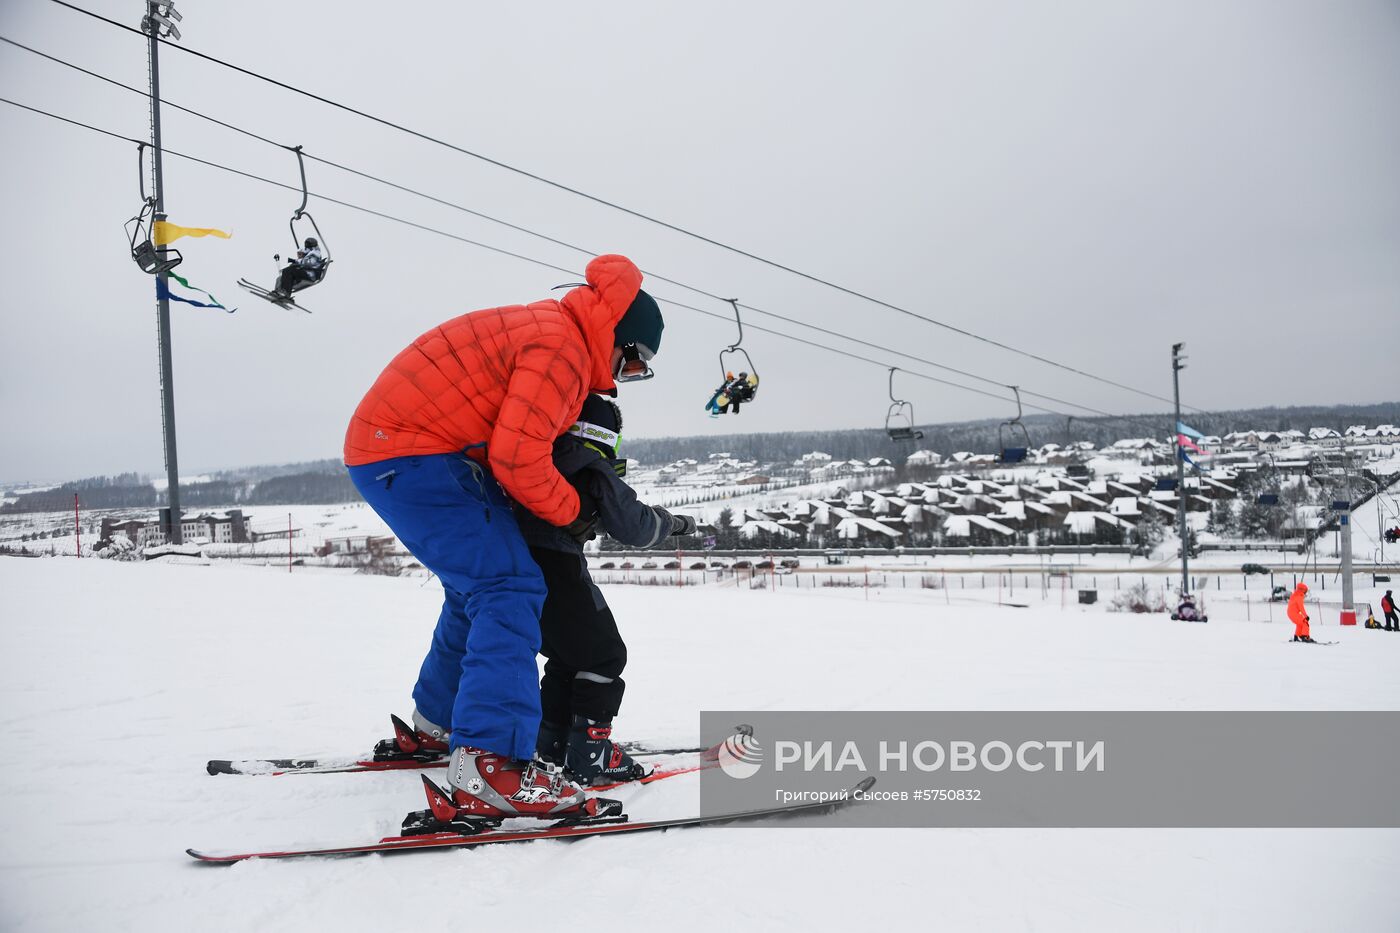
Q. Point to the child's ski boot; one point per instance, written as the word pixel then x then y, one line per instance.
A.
pixel 594 758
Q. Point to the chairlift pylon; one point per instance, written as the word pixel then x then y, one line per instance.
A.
pixel 1271 498
pixel 1009 428
pixel 140 230
pixel 899 419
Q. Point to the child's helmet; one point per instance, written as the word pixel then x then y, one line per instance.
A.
pixel 599 426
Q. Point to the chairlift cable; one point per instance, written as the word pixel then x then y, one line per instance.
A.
pixel 542 263
pixel 571 246
pixel 619 207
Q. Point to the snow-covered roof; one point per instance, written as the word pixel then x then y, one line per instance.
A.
pixel 851 528
pixel 1013 510
pixel 960 526
pixel 1020 510
pixel 1124 505
pixel 1153 505
pixel 750 529
pixel 914 511
pixel 1084 523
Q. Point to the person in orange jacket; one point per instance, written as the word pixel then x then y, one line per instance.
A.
pixel 460 424
pixel 1298 613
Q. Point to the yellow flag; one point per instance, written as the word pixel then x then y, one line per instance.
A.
pixel 166 232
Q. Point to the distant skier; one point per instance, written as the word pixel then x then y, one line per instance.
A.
pixel 582 687
pixel 1298 614
pixel 1392 621
pixel 1186 610
pixel 308 265
pixel 461 422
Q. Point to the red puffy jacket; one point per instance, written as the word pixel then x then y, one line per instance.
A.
pixel 514 377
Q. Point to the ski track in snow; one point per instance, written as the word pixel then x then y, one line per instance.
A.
pixel 120 680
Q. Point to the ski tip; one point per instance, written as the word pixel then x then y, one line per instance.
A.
pixel 204 858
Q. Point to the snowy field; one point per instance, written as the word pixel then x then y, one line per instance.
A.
pixel 120 680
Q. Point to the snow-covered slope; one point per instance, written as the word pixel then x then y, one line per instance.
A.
pixel 120 680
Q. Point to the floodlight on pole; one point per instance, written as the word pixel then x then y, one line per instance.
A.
pixel 160 20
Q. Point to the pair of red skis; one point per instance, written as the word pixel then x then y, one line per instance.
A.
pixel 434 829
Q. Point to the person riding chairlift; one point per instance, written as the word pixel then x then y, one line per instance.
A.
pixel 307 267
pixel 732 393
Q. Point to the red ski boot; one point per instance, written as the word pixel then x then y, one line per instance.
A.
pixel 486 785
pixel 494 788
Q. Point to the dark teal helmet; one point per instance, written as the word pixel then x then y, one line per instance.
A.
pixel 641 325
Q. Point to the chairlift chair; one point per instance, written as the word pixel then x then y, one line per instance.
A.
pixel 1007 430
pixel 301 213
pixel 318 275
pixel 734 391
pixel 899 419
pixel 735 348
pixel 140 230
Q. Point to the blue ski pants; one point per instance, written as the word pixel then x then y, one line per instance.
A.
pixel 480 674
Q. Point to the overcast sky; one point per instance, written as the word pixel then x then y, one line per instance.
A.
pixel 1089 181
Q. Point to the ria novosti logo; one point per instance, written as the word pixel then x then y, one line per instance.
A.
pixel 740 755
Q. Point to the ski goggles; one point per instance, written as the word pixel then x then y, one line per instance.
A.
pixel 634 364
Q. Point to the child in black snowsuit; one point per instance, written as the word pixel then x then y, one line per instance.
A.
pixel 582 687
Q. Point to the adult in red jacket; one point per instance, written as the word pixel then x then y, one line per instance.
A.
pixel 1392 619
pixel 1298 613
pixel 474 403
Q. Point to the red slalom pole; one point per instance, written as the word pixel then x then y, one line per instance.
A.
pixel 77 528
pixel 289 542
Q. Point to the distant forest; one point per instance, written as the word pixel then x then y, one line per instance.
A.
pixel 983 436
pixel 306 487
pixel 325 481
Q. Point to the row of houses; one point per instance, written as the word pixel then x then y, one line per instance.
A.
pixel 1151 451
pixel 216 528
pixel 965 509
pixel 818 466
pixel 231 527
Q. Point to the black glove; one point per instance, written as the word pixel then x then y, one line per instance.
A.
pixel 682 525
pixel 582 529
